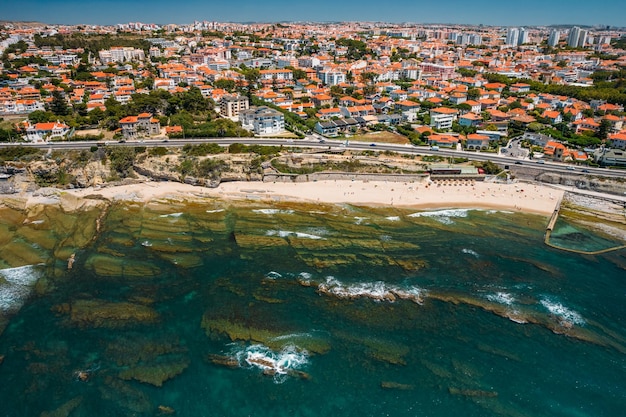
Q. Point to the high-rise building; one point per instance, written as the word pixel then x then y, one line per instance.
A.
pixel 582 38
pixel 572 37
pixel 475 39
pixel 553 39
pixel 512 35
pixel 523 36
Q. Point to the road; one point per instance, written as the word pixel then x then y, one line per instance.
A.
pixel 317 142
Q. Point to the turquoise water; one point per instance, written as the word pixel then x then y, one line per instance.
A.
pixel 349 311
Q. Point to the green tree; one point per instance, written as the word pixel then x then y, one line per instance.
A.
pixel 59 105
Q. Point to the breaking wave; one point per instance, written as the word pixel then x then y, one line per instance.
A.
pixel 287 233
pixel 442 216
pixel 378 291
pixel 215 211
pixel 559 310
pixel 272 211
pixel 273 275
pixel 16 285
pixel 470 252
pixel 288 361
pixel 501 298
pixel 173 215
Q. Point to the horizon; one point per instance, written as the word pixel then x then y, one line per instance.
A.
pixel 319 22
pixel 533 13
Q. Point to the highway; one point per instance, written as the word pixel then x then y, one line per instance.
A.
pixel 317 142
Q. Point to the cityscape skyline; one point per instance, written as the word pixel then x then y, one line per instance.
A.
pixel 110 12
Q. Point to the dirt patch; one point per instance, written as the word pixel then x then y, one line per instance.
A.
pixel 382 137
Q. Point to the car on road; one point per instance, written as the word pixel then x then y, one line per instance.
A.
pixel 541 161
pixel 585 170
pixel 372 144
pixel 518 163
pixel 571 168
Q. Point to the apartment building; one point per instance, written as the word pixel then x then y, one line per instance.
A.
pixel 263 120
pixel 232 106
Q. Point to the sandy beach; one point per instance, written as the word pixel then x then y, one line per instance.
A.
pixel 520 197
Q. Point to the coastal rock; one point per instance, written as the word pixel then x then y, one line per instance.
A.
pixel 155 374
pixel 111 266
pixel 99 313
pixel 273 339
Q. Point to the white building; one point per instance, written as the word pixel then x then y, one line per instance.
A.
pixel 121 54
pixel 512 36
pixel 553 39
pixel 262 120
pixel 442 118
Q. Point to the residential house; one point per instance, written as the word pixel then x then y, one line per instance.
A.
pixel 554 150
pixel 444 141
pixel 476 106
pixel 139 126
pixel 618 140
pixel 616 122
pixel 321 100
pixel 326 128
pixel 442 117
pixel 588 124
pixel 327 114
pixel 519 88
pixel 470 119
pixel 553 116
pixel 477 141
pixel 44 131
pixel 358 111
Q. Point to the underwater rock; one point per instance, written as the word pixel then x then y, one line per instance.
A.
pixel 98 313
pixel 472 392
pixel 378 349
pixel 126 396
pixel 155 374
pixel 163 409
pixel 1 359
pixel 223 360
pixel 134 350
pixel 396 385
pixel 65 410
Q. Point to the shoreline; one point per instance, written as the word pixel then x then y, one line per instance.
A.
pixel 517 197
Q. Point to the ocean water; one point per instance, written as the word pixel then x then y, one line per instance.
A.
pixel 309 310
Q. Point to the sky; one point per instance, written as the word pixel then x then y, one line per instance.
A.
pixel 500 13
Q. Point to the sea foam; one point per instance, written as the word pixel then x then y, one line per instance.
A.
pixel 442 216
pixel 279 364
pixel 16 285
pixel 272 211
pixel 563 312
pixel 378 291
pixel 470 252
pixel 501 298
pixel 287 233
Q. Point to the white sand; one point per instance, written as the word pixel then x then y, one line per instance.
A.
pixel 515 197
